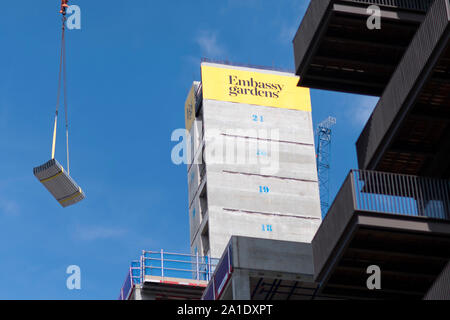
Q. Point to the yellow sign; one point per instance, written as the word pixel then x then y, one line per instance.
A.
pixel 255 88
pixel 189 109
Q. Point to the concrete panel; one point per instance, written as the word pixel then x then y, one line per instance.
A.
pixel 197 239
pixel 223 224
pixel 194 142
pixel 240 283
pixel 272 255
pixel 283 124
pixel 247 155
pixel 193 182
pixel 139 294
pixel 263 194
pixel 404 223
pixel 196 244
pixel 194 218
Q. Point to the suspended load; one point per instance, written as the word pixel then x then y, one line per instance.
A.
pixel 59 183
pixel 51 174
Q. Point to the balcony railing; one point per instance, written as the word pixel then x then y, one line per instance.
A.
pixel 401 194
pixel 174 265
pixel 419 5
pixel 246 65
pixel 165 265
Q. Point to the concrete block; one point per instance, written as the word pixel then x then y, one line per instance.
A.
pixel 223 224
pixel 226 117
pixel 263 194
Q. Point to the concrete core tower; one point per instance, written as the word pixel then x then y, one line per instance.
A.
pixel 251 158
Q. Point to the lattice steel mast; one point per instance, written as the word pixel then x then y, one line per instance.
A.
pixel 323 155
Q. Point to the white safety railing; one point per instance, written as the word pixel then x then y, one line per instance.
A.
pixel 165 265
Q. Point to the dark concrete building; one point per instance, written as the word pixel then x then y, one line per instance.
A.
pixel 395 211
pixel 335 50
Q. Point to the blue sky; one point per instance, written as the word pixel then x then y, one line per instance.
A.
pixel 129 70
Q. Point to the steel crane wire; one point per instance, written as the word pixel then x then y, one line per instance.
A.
pixel 52 174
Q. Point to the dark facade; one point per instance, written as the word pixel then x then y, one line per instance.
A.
pixel 394 213
pixel 409 130
pixel 334 49
pixel 440 289
pixel 383 219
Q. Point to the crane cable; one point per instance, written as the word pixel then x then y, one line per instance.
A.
pixel 62 80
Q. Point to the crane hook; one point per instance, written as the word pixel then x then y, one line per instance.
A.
pixel 64 6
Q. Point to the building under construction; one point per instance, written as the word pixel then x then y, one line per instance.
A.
pixel 393 212
pixel 251 172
